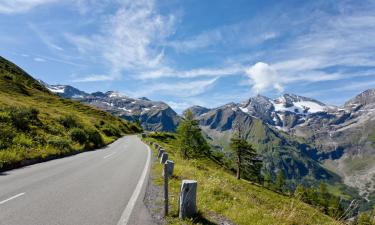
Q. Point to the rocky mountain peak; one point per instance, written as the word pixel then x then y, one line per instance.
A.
pixel 365 98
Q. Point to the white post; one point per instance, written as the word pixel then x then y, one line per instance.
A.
pixel 160 153
pixel 169 164
pixel 165 171
pixel 188 196
pixel 164 158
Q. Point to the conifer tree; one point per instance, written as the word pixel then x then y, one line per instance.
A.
pixel 191 141
pixel 280 181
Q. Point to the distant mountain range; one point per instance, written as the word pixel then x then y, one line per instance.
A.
pixel 153 115
pixel 306 138
pixel 341 138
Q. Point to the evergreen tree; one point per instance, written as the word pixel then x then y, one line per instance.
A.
pixel 191 141
pixel 364 219
pixel 267 179
pixel 300 192
pixel 247 160
pixel 280 181
pixel 323 196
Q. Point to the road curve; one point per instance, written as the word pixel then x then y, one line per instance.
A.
pixel 91 188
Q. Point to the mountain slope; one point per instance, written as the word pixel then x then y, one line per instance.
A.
pixel 153 115
pixel 220 194
pixel 36 125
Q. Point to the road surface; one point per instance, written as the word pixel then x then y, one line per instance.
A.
pixel 102 187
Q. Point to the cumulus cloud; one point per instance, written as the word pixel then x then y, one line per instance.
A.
pixel 263 77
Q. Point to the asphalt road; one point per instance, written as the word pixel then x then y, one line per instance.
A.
pixel 102 187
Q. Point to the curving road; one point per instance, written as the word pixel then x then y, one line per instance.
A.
pixel 102 187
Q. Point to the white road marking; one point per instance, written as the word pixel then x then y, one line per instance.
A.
pixel 124 220
pixel 109 155
pixel 11 198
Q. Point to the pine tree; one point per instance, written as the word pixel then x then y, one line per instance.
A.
pixel 246 157
pixel 364 219
pixel 300 192
pixel 280 181
pixel 323 196
pixel 191 141
pixel 267 179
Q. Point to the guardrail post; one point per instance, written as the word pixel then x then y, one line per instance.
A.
pixel 169 164
pixel 160 152
pixel 164 158
pixel 165 172
pixel 188 196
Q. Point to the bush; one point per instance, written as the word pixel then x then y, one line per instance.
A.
pixel 59 142
pixel 22 117
pixel 111 130
pixel 78 135
pixel 95 138
pixel 7 133
pixel 23 140
pixel 69 121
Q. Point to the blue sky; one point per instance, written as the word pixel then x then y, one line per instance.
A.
pixel 191 52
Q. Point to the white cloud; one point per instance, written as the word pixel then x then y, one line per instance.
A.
pixel 17 6
pixel 129 40
pixel 38 59
pixel 193 73
pixel 178 89
pixel 263 77
pixel 96 78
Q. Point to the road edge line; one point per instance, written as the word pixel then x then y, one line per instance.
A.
pixel 137 191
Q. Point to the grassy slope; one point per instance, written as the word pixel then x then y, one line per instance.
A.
pixel 46 136
pixel 238 200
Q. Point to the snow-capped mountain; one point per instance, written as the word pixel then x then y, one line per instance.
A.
pixel 153 115
pixel 342 136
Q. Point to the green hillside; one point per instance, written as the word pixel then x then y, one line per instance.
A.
pixel 220 194
pixel 36 125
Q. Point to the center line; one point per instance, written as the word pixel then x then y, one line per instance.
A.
pixel 11 198
pixel 109 155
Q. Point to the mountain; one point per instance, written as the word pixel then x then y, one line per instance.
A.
pixel 36 125
pixel 153 115
pixel 338 140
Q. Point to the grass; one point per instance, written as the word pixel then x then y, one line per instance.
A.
pixel 220 193
pixel 36 125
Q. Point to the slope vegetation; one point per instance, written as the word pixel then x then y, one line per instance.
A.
pixel 221 195
pixel 36 124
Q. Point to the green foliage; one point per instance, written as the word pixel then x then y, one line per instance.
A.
pixel 222 195
pixel 22 117
pixel 95 138
pixel 111 130
pixel 280 181
pixel 79 135
pixel 246 159
pixel 22 140
pixel 364 219
pixel 69 121
pixel 320 197
pixel 191 141
pixel 59 142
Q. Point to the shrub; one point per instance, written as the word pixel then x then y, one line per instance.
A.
pixel 7 133
pixel 95 138
pixel 69 121
pixel 4 116
pixel 111 130
pixel 22 117
pixel 59 142
pixel 23 140
pixel 78 135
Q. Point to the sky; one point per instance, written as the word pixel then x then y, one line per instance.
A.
pixel 195 52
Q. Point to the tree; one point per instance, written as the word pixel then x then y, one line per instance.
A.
pixel 280 181
pixel 246 157
pixel 363 219
pixel 323 196
pixel 191 141
pixel 300 192
pixel 267 179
